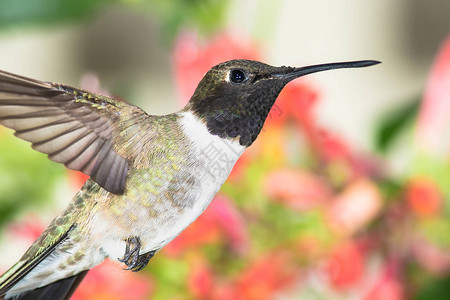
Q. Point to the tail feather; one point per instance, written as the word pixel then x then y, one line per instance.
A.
pixel 43 248
pixel 58 290
pixel 24 267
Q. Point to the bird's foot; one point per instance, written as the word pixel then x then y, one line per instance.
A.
pixel 131 255
pixel 143 260
pixel 135 261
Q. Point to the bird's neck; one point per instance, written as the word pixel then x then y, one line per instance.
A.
pixel 241 121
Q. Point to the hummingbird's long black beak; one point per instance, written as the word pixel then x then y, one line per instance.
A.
pixel 297 72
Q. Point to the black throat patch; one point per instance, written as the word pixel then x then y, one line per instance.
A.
pixel 230 112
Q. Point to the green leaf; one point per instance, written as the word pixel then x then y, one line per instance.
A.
pixel 436 289
pixel 30 12
pixel 206 16
pixel 393 123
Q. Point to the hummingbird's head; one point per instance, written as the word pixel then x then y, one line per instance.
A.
pixel 234 98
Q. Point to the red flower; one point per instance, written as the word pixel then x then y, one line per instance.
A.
pixel 296 102
pixel 109 282
pixel 332 147
pixel 221 220
pixel 424 197
pixel 262 279
pixel 201 232
pixel 77 179
pixel 30 229
pixel 345 265
pixel 267 276
pixel 200 279
pixel 192 59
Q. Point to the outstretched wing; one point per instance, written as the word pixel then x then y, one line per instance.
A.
pixel 74 127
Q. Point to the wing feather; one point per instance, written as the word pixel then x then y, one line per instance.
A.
pixel 74 127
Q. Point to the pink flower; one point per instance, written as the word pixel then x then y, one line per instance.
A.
pixel 226 291
pixel 91 82
pixel 297 189
pixel 21 235
pixel 387 285
pixel 434 113
pixel 231 223
pixel 355 207
pixel 431 257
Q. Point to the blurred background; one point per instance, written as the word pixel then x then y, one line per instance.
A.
pixel 345 194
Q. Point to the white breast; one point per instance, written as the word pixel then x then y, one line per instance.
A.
pixel 218 157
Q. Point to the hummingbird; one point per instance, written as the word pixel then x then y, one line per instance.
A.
pixel 150 176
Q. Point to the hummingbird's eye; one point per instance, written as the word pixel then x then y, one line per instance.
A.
pixel 237 76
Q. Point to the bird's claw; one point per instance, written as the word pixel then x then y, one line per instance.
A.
pixel 143 260
pixel 135 261
pixel 131 252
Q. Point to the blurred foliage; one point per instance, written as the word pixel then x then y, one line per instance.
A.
pixel 206 16
pixel 435 289
pixel 35 12
pixel 27 177
pixel 393 123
